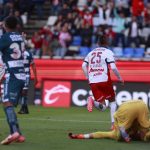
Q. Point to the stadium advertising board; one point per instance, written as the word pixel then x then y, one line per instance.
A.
pixel 56 94
pixel 131 90
pixel 66 93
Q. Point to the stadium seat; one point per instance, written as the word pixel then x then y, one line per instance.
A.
pixel 128 52
pixel 57 57
pixel 83 51
pixel 81 3
pixel 68 57
pixel 78 57
pixel 76 41
pixel 93 39
pixel 138 52
pixel 147 53
pixel 36 57
pixel 45 57
pixel 118 52
pixel 72 50
pixel 93 47
pixel 51 20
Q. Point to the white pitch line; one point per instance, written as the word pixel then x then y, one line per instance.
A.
pixel 60 120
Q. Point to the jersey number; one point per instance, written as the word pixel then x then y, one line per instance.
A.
pixel 96 57
pixel 17 50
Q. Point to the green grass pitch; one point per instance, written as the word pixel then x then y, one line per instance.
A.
pixel 48 128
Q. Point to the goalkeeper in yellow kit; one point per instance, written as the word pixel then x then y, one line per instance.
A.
pixel 131 123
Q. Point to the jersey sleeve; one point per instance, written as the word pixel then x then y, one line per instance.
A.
pixel 110 57
pixel 86 59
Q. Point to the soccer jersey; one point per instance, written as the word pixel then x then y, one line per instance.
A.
pixel 130 111
pixel 12 46
pixel 2 68
pixel 28 60
pixel 98 60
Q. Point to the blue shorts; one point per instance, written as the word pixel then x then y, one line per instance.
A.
pixel 27 82
pixel 12 90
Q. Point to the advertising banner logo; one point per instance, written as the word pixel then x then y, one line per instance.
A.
pixel 56 93
pixel 131 90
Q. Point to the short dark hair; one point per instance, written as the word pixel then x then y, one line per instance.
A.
pixel 11 22
pixel 102 39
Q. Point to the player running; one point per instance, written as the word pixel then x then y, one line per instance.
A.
pixel 131 123
pixel 12 47
pixel 96 70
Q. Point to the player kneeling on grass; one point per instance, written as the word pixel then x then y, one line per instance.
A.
pixel 131 123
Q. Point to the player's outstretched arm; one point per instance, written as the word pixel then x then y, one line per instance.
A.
pixel 85 70
pixel 124 134
pixel 116 72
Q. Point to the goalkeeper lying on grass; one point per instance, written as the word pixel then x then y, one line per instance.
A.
pixel 131 123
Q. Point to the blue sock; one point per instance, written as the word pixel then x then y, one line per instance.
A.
pixel 24 101
pixel 18 128
pixel 11 119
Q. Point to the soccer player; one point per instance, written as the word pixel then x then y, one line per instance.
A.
pixel 12 47
pixel 131 123
pixel 96 70
pixel 2 72
pixel 28 62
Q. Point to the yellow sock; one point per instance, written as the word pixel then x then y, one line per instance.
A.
pixel 109 134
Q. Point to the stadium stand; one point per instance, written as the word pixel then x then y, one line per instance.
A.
pixel 76 41
pixel 118 51
pixel 139 52
pixel 128 52
pixel 147 53
pixel 84 50
pixel 75 15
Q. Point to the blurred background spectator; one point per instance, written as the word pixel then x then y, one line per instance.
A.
pixel 77 23
pixel 37 44
pixel 64 41
pixel 38 4
pixel 20 22
pixel 1 29
pixel 47 36
pixel 119 28
pixel 134 30
pixel 55 7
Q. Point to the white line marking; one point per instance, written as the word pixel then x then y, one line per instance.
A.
pixel 60 120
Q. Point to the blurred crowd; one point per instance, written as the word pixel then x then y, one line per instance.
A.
pixel 76 24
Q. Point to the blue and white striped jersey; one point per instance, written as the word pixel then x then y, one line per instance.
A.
pixel 28 60
pixel 12 46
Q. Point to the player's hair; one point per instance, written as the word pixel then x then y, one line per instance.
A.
pixel 102 39
pixel 11 22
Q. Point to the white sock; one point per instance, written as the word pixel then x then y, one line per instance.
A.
pixel 99 106
pixel 113 108
pixel 86 136
pixel 96 104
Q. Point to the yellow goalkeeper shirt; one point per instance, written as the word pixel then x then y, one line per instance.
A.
pixel 130 111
